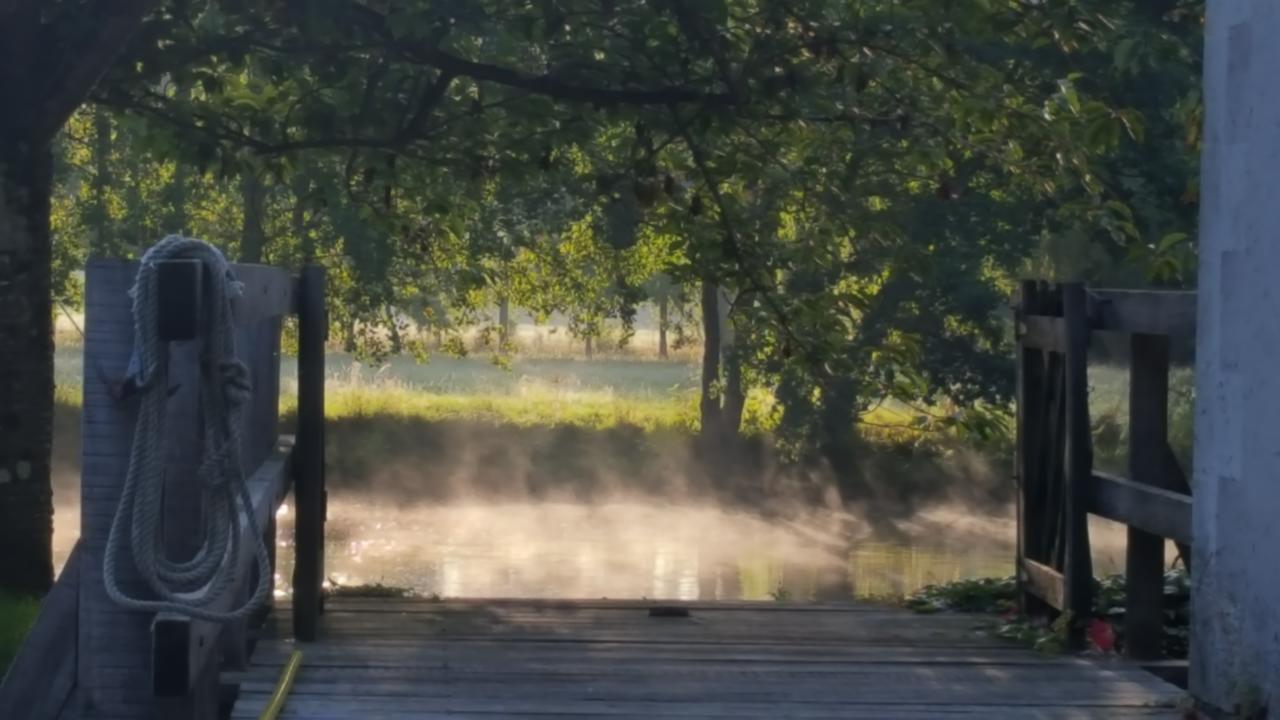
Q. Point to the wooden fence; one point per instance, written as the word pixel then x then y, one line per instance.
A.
pixel 88 657
pixel 1058 486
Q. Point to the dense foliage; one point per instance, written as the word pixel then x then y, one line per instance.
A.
pixel 858 184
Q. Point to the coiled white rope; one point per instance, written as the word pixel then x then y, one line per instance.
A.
pixel 187 587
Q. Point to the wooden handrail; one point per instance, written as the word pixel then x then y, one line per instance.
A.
pixel 182 647
pixel 1160 512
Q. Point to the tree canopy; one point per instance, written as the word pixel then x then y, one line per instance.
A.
pixel 859 183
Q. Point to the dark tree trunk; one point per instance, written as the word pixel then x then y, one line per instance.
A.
pixel 35 47
pixel 735 397
pixel 662 326
pixel 590 348
pixel 349 343
pixel 175 222
pixel 504 319
pixel 101 242
pixel 253 238
pixel 393 328
pixel 26 366
pixel 306 243
pixel 709 405
pixel 836 427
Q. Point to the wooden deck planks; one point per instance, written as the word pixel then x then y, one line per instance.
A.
pixel 419 659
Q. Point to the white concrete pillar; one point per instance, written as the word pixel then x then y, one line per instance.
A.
pixel 1235 652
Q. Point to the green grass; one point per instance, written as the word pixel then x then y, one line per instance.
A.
pixel 16 616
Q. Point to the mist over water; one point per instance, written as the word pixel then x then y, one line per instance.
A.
pixel 467 507
pixel 633 548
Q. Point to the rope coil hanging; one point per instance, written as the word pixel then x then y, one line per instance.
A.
pixel 187 587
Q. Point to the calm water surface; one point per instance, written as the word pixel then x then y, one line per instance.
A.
pixel 642 549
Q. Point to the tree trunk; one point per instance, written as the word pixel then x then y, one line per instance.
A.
pixel 662 326
pixel 709 405
pixel 100 240
pixel 349 343
pixel 298 222
pixel 26 367
pixel 393 328
pixel 590 349
pixel 175 222
pixel 836 426
pixel 253 238
pixel 504 320
pixel 735 398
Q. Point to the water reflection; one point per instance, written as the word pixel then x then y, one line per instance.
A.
pixel 646 549
pixel 634 550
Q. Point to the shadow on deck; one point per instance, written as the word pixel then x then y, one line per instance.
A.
pixel 610 659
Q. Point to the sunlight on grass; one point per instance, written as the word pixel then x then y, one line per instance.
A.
pixel 16 616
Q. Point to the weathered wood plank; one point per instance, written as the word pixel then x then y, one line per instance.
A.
pixel 1043 332
pixel 1078 563
pixel 42 676
pixel 476 658
pixel 308 485
pixel 184 650
pixel 646 710
pixel 1152 312
pixel 112 665
pixel 1044 582
pixel 179 288
pixel 1148 442
pixel 1155 510
pixel 268 293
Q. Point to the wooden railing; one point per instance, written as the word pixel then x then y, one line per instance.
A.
pixel 1058 486
pixel 86 656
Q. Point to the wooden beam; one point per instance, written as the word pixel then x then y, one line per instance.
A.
pixel 268 292
pixel 308 482
pixel 178 289
pixel 1078 561
pixel 1043 332
pixel 42 676
pixel 182 648
pixel 1152 312
pixel 1043 581
pixel 1156 510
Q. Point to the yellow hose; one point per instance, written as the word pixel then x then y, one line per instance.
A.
pixel 276 704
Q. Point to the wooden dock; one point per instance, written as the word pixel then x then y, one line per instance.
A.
pixel 380 658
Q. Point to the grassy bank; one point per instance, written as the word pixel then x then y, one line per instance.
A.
pixel 16 616
pixel 542 424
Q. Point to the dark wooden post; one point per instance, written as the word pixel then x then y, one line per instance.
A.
pixel 1078 565
pixel 1026 389
pixel 308 488
pixel 1148 438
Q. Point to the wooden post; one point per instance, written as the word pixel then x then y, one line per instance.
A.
pixel 1078 564
pixel 1028 365
pixel 309 492
pixel 114 674
pixel 1148 438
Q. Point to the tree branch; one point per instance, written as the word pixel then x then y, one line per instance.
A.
pixel 108 26
pixel 547 85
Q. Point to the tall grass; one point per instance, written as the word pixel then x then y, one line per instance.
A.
pixel 16 616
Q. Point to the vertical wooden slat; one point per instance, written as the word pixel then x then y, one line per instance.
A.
pixel 1148 439
pixel 114 674
pixel 1078 566
pixel 1029 369
pixel 309 492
